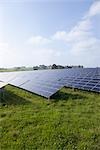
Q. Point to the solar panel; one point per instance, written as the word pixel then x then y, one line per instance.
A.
pixel 48 82
pixel 2 84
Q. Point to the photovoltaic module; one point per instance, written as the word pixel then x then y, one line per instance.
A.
pixel 47 82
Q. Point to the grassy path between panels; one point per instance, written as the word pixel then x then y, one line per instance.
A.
pixel 70 121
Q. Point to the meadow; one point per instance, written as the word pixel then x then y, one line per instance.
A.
pixel 68 121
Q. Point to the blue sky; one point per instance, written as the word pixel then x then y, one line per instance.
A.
pixel 46 32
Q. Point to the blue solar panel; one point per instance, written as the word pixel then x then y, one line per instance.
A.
pixel 48 82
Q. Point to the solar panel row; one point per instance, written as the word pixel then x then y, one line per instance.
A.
pixel 48 82
pixel 2 84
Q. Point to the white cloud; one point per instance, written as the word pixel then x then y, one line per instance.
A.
pixel 78 32
pixel 38 40
pixel 94 9
pixel 60 35
pixel 79 45
pixel 80 38
pixel 3 46
pixel 7 55
pixel 89 47
pixel 44 56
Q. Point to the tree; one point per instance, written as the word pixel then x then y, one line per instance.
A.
pixel 54 66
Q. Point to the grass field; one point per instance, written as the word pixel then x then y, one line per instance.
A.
pixel 70 121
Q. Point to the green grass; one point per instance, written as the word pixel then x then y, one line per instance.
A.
pixel 70 121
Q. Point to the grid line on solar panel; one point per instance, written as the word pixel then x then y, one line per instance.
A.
pixel 44 84
pixel 19 81
pixel 41 87
pixel 78 78
pixel 87 87
pixel 24 82
pixel 96 89
pixel 94 82
pixel 82 84
pixel 40 91
pixel 47 87
pixel 96 85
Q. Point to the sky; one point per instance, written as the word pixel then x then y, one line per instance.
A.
pixel 65 32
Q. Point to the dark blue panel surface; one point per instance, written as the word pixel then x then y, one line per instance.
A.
pixel 47 82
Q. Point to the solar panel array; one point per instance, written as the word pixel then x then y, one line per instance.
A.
pixel 48 82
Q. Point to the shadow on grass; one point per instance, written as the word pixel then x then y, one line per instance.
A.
pixel 10 98
pixel 66 96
